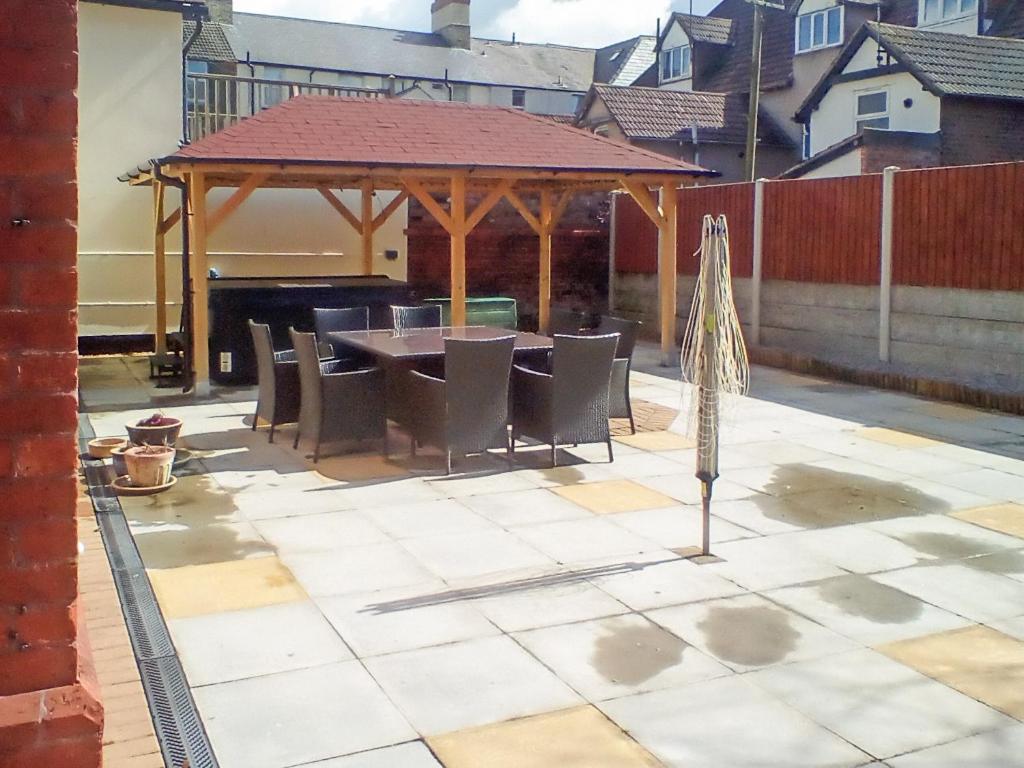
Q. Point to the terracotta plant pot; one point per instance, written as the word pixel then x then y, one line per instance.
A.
pixel 156 430
pixel 149 465
pixel 102 447
pixel 117 457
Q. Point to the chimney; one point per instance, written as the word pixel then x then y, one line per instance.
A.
pixel 450 20
pixel 221 11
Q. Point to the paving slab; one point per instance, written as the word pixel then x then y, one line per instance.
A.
pixel 958 588
pixel 413 754
pixel 539 505
pixel 1003 748
pixel 1005 518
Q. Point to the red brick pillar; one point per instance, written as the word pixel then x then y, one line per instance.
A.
pixel 50 714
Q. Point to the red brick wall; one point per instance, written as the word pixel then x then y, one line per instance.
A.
pixel 976 131
pixel 502 255
pixel 48 713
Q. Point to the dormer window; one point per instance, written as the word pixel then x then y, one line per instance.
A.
pixel 824 29
pixel 675 63
pixel 934 11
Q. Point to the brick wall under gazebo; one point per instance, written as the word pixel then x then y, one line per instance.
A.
pixel 50 713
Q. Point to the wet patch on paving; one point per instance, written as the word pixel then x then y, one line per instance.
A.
pixel 754 635
pixel 631 654
pixel 860 596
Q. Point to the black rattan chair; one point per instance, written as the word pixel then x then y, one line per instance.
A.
pixel 467 411
pixel 337 404
pixel 328 321
pixel 278 378
pixel 567 322
pixel 569 405
pixel 427 316
pixel 619 404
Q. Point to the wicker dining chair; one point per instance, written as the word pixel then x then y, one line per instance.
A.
pixel 570 405
pixel 331 320
pixel 567 322
pixel 426 316
pixel 278 380
pixel 619 404
pixel 337 404
pixel 466 412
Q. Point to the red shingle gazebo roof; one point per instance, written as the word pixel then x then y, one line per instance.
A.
pixel 338 131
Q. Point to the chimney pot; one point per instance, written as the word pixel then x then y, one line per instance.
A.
pixel 450 19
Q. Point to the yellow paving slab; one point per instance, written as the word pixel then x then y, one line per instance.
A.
pixel 215 587
pixel 1005 518
pixel 571 738
pixel 609 496
pixel 656 441
pixel 978 661
pixel 896 438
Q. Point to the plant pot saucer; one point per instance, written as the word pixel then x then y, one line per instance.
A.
pixel 123 486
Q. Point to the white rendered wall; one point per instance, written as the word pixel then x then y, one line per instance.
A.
pixel 848 164
pixel 674 38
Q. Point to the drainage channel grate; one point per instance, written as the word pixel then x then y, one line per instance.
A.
pixel 179 729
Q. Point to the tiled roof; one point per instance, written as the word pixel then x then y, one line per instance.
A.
pixel 414 133
pixel 372 50
pixel 705 29
pixel 732 73
pixel 946 64
pixel 212 43
pixel 653 113
pixel 623 63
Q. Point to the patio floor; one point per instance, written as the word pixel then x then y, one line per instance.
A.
pixel 867 607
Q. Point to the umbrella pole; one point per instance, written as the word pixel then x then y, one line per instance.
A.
pixel 707 447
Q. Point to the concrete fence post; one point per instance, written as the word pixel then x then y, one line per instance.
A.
pixel 885 251
pixel 758 256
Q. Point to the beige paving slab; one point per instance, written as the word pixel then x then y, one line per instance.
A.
pixel 174 546
pixel 656 441
pixel 979 661
pixel 574 738
pixel 200 589
pixel 1005 518
pixel 896 438
pixel 606 497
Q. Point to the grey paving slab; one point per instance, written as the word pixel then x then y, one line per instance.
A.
pixel 940 537
pixel 676 527
pixel 768 562
pixel 749 632
pixel 577 541
pixel 617 656
pixel 865 610
pixel 465 555
pixel 413 754
pixel 854 548
pixel 843 694
pixel 469 683
pixel 299 717
pixel 357 569
pixel 1003 748
pixel 324 532
pixel 219 647
pixel 531 507
pixel 554 602
pixel 665 582
pixel 969 592
pixel 427 518
pixel 728 722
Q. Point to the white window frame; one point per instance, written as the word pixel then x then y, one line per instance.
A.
pixel 197 89
pixel 858 118
pixel 666 57
pixel 961 11
pixel 523 92
pixel 823 13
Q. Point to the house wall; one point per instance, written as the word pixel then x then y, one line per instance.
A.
pixel 50 711
pixel 977 131
pixel 674 38
pixel 836 115
pixel 966 24
pixel 849 164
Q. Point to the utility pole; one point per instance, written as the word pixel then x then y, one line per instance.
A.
pixel 755 82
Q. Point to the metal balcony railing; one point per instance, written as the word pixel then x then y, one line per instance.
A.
pixel 213 102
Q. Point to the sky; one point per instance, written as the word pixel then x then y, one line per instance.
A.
pixel 591 23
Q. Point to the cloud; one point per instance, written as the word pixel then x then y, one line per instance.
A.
pixel 401 14
pixel 592 23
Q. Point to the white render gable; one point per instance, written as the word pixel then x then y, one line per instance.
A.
pixel 905 106
pixel 676 37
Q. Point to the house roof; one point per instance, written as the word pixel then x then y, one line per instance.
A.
pixel 326 45
pixel 653 113
pixel 732 72
pixel 868 137
pixel 623 63
pixel 400 133
pixel 212 43
pixel 946 64
pixel 703 29
pixel 190 8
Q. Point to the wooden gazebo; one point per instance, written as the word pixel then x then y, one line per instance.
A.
pixel 420 149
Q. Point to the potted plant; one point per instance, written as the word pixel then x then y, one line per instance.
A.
pixel 149 466
pixel 155 430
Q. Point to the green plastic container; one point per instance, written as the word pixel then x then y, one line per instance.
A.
pixel 495 311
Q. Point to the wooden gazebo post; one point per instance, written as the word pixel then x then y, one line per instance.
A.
pixel 160 267
pixel 667 274
pixel 200 293
pixel 366 225
pixel 458 251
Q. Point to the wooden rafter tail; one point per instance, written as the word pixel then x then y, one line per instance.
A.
pixel 231 204
pixel 487 204
pixel 416 190
pixel 389 209
pixel 519 205
pixel 341 208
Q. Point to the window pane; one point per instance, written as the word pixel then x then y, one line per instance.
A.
pixel 878 122
pixel 677 62
pixel 819 29
pixel 833 26
pixel 931 10
pixel 666 65
pixel 518 98
pixel 686 60
pixel 804 40
pixel 968 5
pixel 949 8
pixel 872 103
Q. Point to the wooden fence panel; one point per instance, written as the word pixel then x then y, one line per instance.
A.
pixel 960 227
pixel 823 230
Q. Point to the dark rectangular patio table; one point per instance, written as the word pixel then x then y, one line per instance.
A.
pixel 416 344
